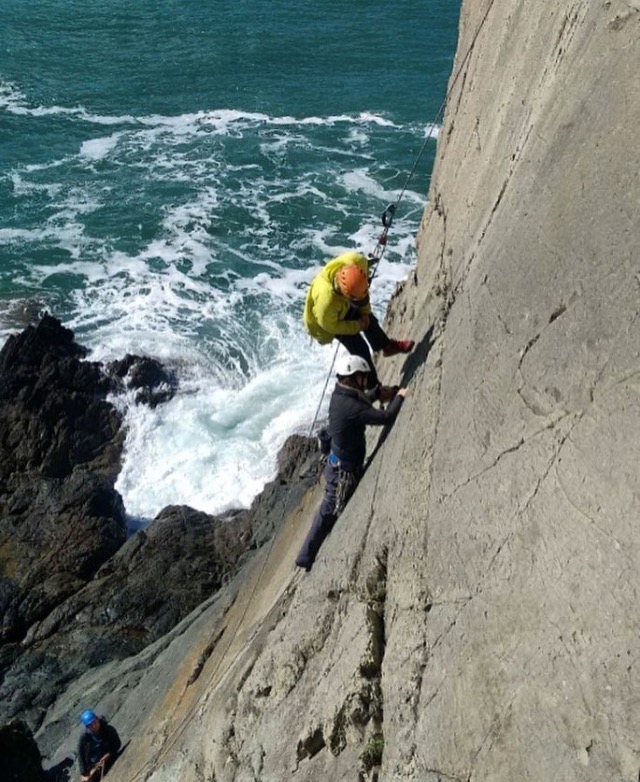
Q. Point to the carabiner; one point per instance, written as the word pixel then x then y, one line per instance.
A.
pixel 388 214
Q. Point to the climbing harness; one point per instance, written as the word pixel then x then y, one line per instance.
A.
pixel 348 478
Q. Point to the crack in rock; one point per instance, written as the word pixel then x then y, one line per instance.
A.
pixel 495 306
pixel 589 518
pixel 443 775
pixel 511 449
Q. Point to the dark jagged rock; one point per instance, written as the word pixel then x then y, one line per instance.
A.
pixel 158 576
pixel 299 468
pixel 155 579
pixel 53 407
pixel 60 516
pixel 60 447
pixel 20 759
pixel 54 535
pixel 152 382
pixel 49 339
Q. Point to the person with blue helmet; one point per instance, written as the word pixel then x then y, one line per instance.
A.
pixel 98 746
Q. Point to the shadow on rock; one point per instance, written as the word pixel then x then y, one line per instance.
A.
pixel 414 360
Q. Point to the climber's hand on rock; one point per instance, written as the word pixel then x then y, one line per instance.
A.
pixel 387 393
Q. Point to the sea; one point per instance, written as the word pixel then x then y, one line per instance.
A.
pixel 174 173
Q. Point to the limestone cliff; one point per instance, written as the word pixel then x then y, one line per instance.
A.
pixel 474 614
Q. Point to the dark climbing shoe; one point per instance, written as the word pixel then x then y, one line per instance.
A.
pixel 398 346
pixel 302 563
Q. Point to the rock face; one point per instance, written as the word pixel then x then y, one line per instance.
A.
pixel 524 664
pixel 473 615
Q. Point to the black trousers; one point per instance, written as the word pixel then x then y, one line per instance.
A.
pixel 340 485
pixel 370 339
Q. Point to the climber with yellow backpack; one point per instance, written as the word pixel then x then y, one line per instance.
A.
pixel 337 306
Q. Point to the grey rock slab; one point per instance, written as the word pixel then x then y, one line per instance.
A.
pixel 475 608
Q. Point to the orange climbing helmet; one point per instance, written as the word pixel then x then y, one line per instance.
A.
pixel 352 282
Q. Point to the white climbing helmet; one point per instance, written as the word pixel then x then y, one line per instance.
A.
pixel 349 365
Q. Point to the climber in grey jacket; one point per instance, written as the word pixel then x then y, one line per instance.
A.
pixel 351 410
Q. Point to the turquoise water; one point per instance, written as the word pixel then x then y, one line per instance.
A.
pixel 173 174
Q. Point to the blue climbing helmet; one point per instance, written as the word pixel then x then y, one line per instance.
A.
pixel 87 717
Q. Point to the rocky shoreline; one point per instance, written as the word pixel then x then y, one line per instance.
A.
pixel 75 592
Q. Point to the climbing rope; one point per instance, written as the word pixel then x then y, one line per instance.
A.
pixel 389 212
pixel 374 260
pixel 375 257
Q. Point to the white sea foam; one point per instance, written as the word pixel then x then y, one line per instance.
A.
pixel 216 443
pixel 10 96
pixel 22 187
pixel 359 179
pixel 99 148
pixel 214 448
pixel 11 235
pixel 358 136
pixel 216 292
pixel 222 121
